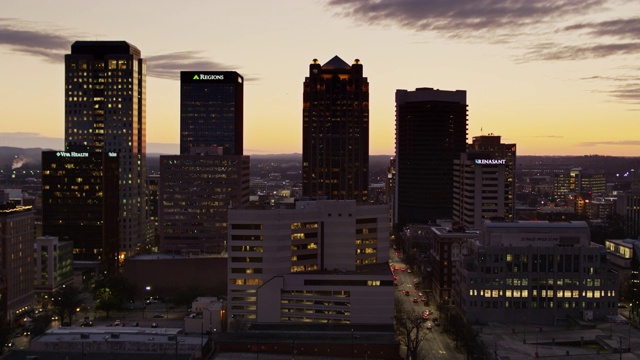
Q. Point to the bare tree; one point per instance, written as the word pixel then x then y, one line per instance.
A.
pixel 409 327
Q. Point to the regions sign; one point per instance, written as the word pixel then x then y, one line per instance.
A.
pixel 208 77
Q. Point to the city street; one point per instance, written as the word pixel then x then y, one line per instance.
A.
pixel 437 345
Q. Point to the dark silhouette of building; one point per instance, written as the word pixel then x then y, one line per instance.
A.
pixel 211 111
pixel 17 237
pixel 195 193
pixel 80 203
pixel 431 131
pixel 335 131
pixel 105 111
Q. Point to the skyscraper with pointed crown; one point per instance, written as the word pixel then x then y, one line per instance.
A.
pixel 335 131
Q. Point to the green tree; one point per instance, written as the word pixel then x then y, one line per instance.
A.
pixel 119 287
pixel 67 300
pixel 107 301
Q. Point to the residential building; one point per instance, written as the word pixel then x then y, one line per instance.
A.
pixel 535 272
pixel 105 111
pixel 211 111
pixel 324 261
pixel 431 131
pixel 335 131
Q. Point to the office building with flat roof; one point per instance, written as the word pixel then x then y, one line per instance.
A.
pixel 211 111
pixel 431 131
pixel 484 182
pixel 194 194
pixel 535 272
pixel 105 111
pixel 324 261
pixel 17 237
pixel 80 192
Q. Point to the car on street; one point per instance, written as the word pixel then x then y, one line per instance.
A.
pixel 425 316
pixel 429 326
pixel 116 323
pixel 415 300
pixel 158 316
pixel 154 325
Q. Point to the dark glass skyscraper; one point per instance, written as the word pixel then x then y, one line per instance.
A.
pixel 80 203
pixel 211 111
pixel 431 131
pixel 105 111
pixel 335 131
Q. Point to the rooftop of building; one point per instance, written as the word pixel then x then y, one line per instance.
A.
pixel 535 224
pixel 121 334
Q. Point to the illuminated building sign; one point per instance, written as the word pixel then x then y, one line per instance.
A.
pixel 112 154
pixel 491 161
pixel 71 154
pixel 208 77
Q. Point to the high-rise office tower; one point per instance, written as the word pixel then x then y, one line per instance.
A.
pixel 80 203
pixel 195 192
pixel 105 111
pixel 431 131
pixel 484 182
pixel 335 131
pixel 211 111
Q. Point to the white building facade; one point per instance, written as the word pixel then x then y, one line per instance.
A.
pixel 324 261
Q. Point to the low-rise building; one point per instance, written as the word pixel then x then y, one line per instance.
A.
pixel 535 272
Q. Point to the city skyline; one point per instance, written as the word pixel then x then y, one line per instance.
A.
pixel 556 78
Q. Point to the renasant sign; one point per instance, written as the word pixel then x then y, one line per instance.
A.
pixel 491 161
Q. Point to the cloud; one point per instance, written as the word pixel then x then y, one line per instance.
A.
pixel 615 143
pixel 555 51
pixel 463 18
pixel 168 66
pixel 53 44
pixel 43 43
pixel 30 140
pixel 549 136
pixel 628 29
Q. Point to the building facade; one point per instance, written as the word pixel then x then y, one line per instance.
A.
pixel 105 111
pixel 211 111
pixel 17 237
pixel 448 247
pixel 484 182
pixel 535 272
pixel 324 261
pixel 335 131
pixel 53 267
pixel 628 206
pixel 80 192
pixel 431 131
pixel 195 193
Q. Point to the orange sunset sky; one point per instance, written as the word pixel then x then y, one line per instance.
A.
pixel 557 77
